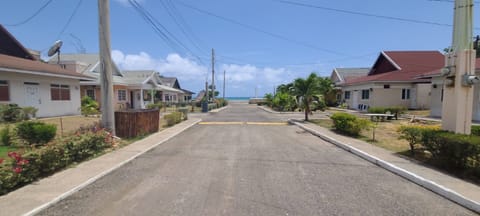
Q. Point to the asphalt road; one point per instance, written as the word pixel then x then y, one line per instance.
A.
pixel 228 167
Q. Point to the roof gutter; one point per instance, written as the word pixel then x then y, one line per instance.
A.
pixel 81 78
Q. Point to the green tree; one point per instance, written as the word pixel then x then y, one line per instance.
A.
pixel 269 99
pixel 305 90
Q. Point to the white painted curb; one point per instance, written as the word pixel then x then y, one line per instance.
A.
pixel 106 172
pixel 436 188
pixel 218 110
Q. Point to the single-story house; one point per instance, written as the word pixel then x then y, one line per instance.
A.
pixel 340 76
pixel 185 96
pixel 89 64
pixel 27 81
pixel 393 81
pixel 437 93
pixel 160 92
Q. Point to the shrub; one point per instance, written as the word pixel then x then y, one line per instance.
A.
pixel 451 150
pixel 10 112
pixel 20 170
pixel 155 106
pixel 377 110
pixel 414 134
pixel 476 130
pixel 89 106
pixel 173 118
pixel 221 102
pixel 36 132
pixel 349 124
pixel 5 136
pixel 184 111
pixel 212 106
pixel 28 112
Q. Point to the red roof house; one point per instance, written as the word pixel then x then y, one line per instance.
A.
pixel 27 81
pixel 393 80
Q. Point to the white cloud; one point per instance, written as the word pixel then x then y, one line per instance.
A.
pixel 241 79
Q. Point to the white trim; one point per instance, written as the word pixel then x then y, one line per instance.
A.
pixel 391 61
pixel 43 74
pixel 94 66
pixel 338 75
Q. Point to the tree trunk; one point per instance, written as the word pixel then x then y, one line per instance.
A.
pixel 307 110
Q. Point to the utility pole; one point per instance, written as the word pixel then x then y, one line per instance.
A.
pixel 106 87
pixel 459 72
pixel 223 85
pixel 213 74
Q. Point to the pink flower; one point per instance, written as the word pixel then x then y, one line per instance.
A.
pixel 17 169
pixel 1 160
pixel 22 162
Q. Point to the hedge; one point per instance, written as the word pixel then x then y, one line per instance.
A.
pixel 349 124
pixel 448 150
pixel 19 170
pixel 173 118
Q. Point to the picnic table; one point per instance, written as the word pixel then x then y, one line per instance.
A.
pixel 379 116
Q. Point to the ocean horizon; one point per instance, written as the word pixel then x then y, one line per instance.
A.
pixel 238 98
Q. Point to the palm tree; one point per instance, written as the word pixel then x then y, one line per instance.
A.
pixel 305 90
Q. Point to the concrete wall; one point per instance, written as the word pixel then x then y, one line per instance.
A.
pixel 42 99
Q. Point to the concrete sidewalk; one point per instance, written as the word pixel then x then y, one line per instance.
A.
pixel 33 198
pixel 457 190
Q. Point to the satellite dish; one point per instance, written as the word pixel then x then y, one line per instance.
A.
pixel 55 49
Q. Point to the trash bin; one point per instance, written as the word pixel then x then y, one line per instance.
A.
pixel 204 106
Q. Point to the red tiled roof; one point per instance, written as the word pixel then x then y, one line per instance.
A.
pixel 14 63
pixel 411 63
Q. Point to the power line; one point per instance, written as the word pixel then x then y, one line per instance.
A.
pixel 253 28
pixel 33 15
pixel 70 18
pixel 363 14
pixel 180 22
pixel 366 14
pixel 161 30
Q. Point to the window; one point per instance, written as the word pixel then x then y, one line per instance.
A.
pixel 122 95
pixel 60 92
pixel 405 94
pixel 386 86
pixel 347 95
pixel 365 94
pixel 4 91
pixel 90 93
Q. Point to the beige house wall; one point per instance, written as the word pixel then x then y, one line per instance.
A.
pixel 423 92
pixel 388 97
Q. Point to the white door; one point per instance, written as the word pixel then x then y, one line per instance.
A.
pixel 32 95
pixel 355 100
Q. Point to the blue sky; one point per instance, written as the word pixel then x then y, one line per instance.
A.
pixel 259 43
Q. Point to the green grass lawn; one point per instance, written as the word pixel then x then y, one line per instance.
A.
pixel 5 149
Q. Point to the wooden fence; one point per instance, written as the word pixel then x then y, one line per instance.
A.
pixel 133 123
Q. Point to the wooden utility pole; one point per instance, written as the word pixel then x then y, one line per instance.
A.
pixel 459 72
pixel 223 85
pixel 106 87
pixel 213 75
